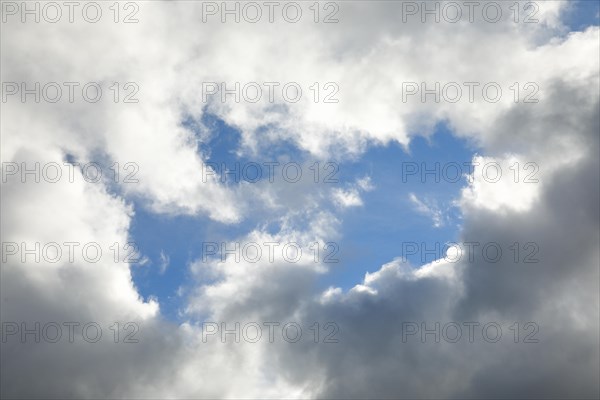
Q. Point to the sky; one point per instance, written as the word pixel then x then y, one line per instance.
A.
pixel 439 178
pixel 369 236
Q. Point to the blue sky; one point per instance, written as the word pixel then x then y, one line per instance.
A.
pixel 583 14
pixel 372 234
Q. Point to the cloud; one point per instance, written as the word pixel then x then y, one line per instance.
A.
pixel 164 262
pixel 431 211
pixel 368 55
pixel 351 196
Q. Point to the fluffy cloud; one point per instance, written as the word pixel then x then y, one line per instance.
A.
pixel 170 54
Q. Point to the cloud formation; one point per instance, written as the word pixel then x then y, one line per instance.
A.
pixel 371 57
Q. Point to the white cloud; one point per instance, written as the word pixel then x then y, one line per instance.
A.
pixel 351 197
pixel 164 262
pixel 429 209
pixel 369 54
